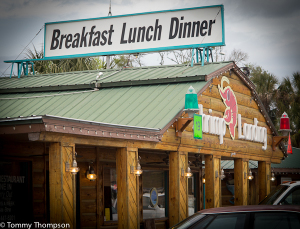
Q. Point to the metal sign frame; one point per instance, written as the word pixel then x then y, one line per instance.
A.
pixel 167 48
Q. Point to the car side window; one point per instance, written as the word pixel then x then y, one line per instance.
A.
pixel 292 198
pixel 228 221
pixel 288 220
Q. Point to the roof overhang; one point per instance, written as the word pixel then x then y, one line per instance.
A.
pixel 50 123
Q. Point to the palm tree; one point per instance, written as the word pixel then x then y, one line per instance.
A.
pixel 266 84
pixel 63 65
pixel 288 100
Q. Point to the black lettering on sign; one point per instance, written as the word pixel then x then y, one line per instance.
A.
pixel 157 27
pixel 110 31
pixel 55 40
pixel 148 37
pixel 203 27
pixel 103 38
pixel 96 40
pixel 123 34
pixel 75 43
pixel 173 27
pixel 83 37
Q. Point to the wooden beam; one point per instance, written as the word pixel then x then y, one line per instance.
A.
pixel 170 142
pixel 181 124
pixel 100 190
pixel 212 181
pixel 264 174
pixel 178 187
pixel 200 188
pixel 240 182
pixel 128 189
pixel 277 140
pixel 62 184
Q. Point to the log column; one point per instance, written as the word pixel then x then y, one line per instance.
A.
pixel 128 195
pixel 212 181
pixel 178 188
pixel 62 184
pixel 240 181
pixel 264 174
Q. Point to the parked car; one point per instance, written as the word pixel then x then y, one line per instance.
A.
pixel 284 194
pixel 244 217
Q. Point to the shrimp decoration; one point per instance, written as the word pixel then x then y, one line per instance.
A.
pixel 231 111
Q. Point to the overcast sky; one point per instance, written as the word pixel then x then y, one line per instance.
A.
pixel 268 30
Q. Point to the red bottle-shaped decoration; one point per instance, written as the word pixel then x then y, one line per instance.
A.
pixel 284 122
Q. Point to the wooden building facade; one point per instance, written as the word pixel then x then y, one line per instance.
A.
pixel 47 121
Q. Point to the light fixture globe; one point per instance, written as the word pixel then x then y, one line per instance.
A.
pixel 191 102
pixel 90 174
pixel 250 176
pixel 285 124
pixel 188 173
pixel 74 168
pixel 273 178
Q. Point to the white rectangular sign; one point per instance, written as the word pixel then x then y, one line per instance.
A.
pixel 137 33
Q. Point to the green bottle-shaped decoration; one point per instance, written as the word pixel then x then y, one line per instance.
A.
pixel 191 100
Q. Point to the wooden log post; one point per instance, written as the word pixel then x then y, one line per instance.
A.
pixel 62 184
pixel 240 181
pixel 264 175
pixel 200 192
pixel 212 181
pixel 100 190
pixel 128 189
pixel 178 187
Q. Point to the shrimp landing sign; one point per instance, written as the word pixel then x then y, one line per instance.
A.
pixel 144 32
pixel 231 118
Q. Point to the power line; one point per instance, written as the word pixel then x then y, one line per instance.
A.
pixel 24 48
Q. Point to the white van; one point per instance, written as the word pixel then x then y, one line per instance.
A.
pixel 284 194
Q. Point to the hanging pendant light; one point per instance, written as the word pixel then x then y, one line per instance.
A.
pixel 250 176
pixel 90 173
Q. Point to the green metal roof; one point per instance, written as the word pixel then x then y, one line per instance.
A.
pixel 82 80
pixel 147 97
pixel 292 161
pixel 151 106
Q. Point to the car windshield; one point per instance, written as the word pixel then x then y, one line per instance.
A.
pixel 189 221
pixel 270 199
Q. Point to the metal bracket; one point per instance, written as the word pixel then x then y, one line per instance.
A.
pixel 277 140
pixel 181 124
pixel 208 54
pixel 23 64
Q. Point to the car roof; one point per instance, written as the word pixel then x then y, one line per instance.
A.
pixel 291 183
pixel 251 208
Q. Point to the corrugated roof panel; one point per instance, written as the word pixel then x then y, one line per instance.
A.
pixel 127 74
pixel 229 164
pixel 292 161
pixel 151 106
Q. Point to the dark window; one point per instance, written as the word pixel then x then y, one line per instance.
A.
pixel 292 198
pixel 286 220
pixel 228 221
pixel 110 194
pixel 270 199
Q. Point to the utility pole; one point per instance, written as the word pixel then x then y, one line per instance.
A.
pixel 108 57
